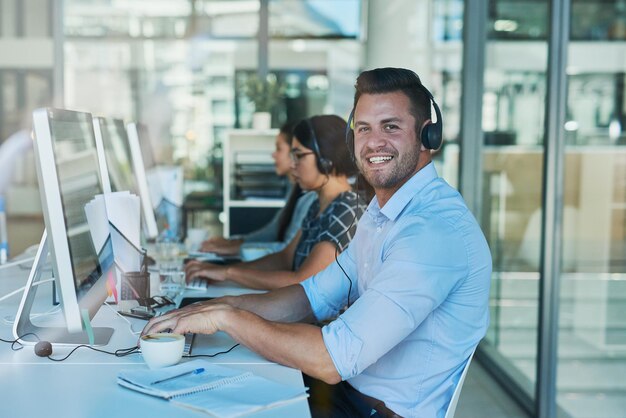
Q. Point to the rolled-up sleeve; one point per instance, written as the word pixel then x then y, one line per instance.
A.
pixel 413 280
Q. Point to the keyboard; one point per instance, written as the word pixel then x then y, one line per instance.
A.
pixel 189 337
pixel 198 284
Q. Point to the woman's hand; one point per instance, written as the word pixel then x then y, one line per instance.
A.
pixel 195 268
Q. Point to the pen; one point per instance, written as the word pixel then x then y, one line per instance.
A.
pixel 196 371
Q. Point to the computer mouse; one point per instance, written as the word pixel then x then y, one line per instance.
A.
pixel 43 349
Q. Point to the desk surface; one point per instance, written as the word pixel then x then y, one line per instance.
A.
pixel 85 384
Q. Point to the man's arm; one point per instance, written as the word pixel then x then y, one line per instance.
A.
pixel 295 345
pixel 270 272
pixel 287 304
pixel 298 345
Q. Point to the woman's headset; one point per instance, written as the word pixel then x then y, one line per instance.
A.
pixel 431 135
pixel 324 165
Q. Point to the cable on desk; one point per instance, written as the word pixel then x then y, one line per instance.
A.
pixel 17 341
pixel 130 325
pixel 122 352
pixel 214 354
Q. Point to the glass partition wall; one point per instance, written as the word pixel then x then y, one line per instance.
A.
pixel 513 120
pixel 592 342
pixel 589 298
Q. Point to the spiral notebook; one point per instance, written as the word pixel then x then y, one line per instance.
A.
pixel 216 390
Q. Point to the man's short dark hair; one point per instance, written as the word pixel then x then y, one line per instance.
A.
pixel 389 80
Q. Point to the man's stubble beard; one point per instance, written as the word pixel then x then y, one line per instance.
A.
pixel 403 167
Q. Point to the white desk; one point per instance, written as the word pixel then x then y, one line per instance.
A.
pixel 84 386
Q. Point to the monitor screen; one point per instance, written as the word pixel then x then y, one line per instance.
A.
pixel 141 155
pixel 79 182
pixel 117 154
pixel 147 152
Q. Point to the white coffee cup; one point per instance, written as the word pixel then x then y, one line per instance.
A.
pixel 162 349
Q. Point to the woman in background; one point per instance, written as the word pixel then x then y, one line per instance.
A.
pixel 277 233
pixel 320 162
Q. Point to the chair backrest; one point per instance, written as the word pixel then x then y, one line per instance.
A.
pixel 459 386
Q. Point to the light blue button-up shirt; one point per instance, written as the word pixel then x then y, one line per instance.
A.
pixel 421 269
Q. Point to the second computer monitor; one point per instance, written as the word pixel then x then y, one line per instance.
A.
pixel 122 168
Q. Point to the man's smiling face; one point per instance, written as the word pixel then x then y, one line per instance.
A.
pixel 385 143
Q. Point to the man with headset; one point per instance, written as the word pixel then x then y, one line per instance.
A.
pixel 415 278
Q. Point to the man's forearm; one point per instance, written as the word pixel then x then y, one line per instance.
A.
pixel 300 346
pixel 288 304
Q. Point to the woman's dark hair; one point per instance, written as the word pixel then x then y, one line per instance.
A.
pixel 389 80
pixel 296 191
pixel 329 131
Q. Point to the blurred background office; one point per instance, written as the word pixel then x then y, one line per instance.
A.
pixel 533 100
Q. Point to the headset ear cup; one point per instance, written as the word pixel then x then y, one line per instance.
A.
pixel 434 137
pixel 435 130
pixel 431 136
pixel 325 165
pixel 426 136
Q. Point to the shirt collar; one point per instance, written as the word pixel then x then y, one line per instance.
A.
pixel 404 194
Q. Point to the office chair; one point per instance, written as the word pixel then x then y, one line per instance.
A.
pixel 457 391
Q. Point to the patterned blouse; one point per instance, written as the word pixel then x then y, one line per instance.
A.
pixel 336 225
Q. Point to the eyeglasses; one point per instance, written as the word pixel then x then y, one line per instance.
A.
pixel 297 156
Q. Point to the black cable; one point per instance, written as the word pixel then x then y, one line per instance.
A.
pixel 356 209
pixel 122 352
pixel 117 353
pixel 17 341
pixel 345 274
pixel 214 354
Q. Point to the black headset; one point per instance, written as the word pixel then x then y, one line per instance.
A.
pixel 324 165
pixel 431 135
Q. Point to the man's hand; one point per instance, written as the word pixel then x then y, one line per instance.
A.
pixel 204 318
pixel 195 268
pixel 221 246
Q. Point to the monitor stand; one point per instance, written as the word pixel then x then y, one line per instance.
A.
pixel 28 333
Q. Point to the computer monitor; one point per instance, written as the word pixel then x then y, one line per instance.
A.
pixel 164 183
pixel 69 179
pixel 116 167
pixel 140 131
pixel 121 167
